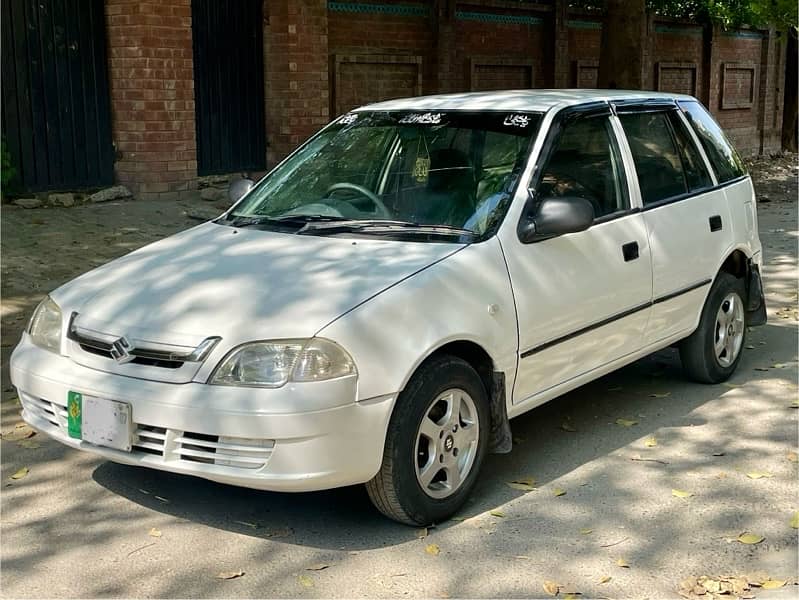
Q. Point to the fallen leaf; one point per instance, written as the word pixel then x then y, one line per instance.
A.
pixel 718 454
pixel 750 347
pixel 421 533
pixel 551 588
pixel 247 524
pixel 604 579
pixel 155 532
pixel 750 538
pixel 229 574
pixel 571 596
pixel 433 549
pixel 779 366
pixel 520 486
pixel 791 456
pixel 20 474
pixel 305 581
pixel 29 444
pixel 761 368
pixel 772 584
pixel 794 404
pixel 558 492
pixel 650 442
pixel 795 520
pixel 758 474
pixel 317 567
pixel 731 385
pixel 525 481
pixel 681 494
pixel 622 563
pixel 586 531
pixel 497 513
pixel 626 422
pixel 663 395
pixel 162 499
pixel 566 426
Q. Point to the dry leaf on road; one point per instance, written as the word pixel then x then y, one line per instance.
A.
pixel 305 581
pixel 758 474
pixel 650 442
pixel 626 422
pixel 750 538
pixel 604 579
pixel 522 487
pixel 681 494
pixel 551 588
pixel 586 530
pixel 558 492
pixel 497 513
pixel 229 574
pixel 155 532
pixel 795 520
pixel 623 563
pixel 663 395
pixel 772 584
pixel 21 473
pixel 433 549
pixel 317 567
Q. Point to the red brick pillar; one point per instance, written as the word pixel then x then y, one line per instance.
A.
pixel 152 96
pixel 296 64
pixel 560 39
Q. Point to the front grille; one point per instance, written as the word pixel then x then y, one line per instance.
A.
pixel 149 439
pixel 53 413
pixel 151 361
pixel 241 453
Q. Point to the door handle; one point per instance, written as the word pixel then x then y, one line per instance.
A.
pixel 715 223
pixel 630 251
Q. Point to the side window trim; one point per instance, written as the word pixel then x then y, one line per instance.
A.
pixel 633 189
pixel 698 146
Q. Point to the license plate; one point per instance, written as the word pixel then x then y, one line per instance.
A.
pixel 99 421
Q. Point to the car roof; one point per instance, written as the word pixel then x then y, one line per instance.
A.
pixel 517 100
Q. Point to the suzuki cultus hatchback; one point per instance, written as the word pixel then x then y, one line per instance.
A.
pixel 379 306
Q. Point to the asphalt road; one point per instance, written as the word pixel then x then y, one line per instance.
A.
pixel 76 526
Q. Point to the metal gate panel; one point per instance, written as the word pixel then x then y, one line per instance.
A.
pixel 56 113
pixel 229 85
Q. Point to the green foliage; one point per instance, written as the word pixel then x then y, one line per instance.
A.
pixel 728 13
pixel 7 170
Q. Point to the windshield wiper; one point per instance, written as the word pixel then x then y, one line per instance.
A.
pixel 291 220
pixel 384 226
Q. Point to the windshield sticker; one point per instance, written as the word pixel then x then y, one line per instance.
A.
pixel 517 121
pixel 422 119
pixel 349 119
pixel 421 169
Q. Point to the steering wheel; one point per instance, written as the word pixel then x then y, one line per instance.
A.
pixel 381 208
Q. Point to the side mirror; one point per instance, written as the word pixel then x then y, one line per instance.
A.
pixel 238 188
pixel 557 216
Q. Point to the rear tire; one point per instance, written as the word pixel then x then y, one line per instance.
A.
pixel 435 444
pixel 712 353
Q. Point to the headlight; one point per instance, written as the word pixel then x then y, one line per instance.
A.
pixel 274 363
pixel 45 326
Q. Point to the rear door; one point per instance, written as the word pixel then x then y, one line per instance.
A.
pixel 686 215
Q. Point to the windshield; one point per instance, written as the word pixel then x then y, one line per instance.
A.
pixel 377 171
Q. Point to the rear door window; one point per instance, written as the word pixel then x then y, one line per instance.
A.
pixel 656 156
pixel 722 156
pixel 696 174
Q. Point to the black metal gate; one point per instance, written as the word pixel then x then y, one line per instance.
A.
pixel 56 115
pixel 229 85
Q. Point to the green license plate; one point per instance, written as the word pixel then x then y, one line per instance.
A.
pixel 74 404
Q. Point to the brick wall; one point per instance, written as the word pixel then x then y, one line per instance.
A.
pixel 296 73
pixel 152 96
pixel 323 58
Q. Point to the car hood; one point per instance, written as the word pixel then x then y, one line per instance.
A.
pixel 240 284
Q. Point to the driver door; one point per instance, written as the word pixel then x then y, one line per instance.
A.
pixel 582 299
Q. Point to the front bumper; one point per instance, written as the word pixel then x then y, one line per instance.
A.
pixel 300 437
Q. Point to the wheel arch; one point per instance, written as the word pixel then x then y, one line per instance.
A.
pixel 473 353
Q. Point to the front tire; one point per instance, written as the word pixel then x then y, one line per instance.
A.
pixel 435 444
pixel 712 353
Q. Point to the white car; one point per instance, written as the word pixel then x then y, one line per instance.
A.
pixel 379 306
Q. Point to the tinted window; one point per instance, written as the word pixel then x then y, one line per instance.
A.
pixel 585 163
pixel 657 160
pixel 720 153
pixel 696 174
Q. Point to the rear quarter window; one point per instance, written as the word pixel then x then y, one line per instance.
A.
pixel 722 156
